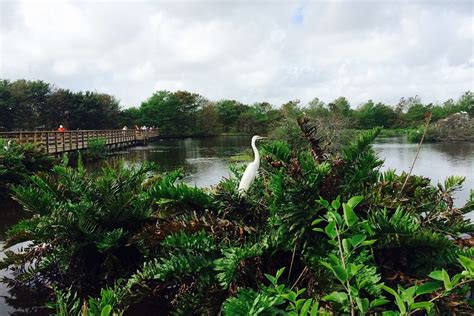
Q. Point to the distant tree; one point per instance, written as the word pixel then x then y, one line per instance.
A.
pixel 370 115
pixel 130 117
pixel 416 114
pixel 340 106
pixel 229 114
pixel 291 109
pixel 94 111
pixel 27 100
pixel 466 103
pixel 174 113
pixel 6 113
pixel 255 118
pixel 60 105
pixel 317 108
pixel 208 119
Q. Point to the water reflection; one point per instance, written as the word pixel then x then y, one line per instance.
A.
pixel 204 161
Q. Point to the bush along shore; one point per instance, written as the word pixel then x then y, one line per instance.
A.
pixel 321 231
pixel 456 127
pixel 20 161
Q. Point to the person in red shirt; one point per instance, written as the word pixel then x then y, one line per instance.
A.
pixel 61 129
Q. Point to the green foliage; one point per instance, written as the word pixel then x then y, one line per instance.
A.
pixel 82 223
pixel 321 231
pixel 275 299
pixel 32 105
pixel 96 148
pixel 408 300
pixel 68 304
pixel 173 112
pixel 19 161
pixel 348 260
pixel 232 257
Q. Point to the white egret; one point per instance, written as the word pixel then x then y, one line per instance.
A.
pixel 252 169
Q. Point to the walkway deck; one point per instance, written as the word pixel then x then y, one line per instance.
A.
pixel 53 142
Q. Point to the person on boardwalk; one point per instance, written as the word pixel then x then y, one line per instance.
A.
pixel 61 129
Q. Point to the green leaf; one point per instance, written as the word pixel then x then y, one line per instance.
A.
pixel 346 245
pixel 354 201
pixel 437 275
pixel 349 216
pixel 317 221
pixel 428 287
pixel 368 242
pixel 390 313
pixel 331 230
pixel 363 304
pixel 357 239
pixel 314 309
pixel 421 305
pixel 446 280
pixel 323 202
pixel 306 306
pixel 398 299
pixel 106 310
pixel 339 297
pixel 340 273
pixel 271 278
pixel 280 272
pixel 336 204
pixel 378 302
pixel 408 295
pixel 291 296
pixel 467 263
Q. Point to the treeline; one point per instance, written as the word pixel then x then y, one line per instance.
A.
pixel 39 105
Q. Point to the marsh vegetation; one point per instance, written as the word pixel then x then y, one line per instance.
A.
pixel 322 230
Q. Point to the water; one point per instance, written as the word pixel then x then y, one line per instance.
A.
pixel 436 161
pixel 205 161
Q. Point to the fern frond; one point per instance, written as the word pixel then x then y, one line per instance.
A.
pixel 227 265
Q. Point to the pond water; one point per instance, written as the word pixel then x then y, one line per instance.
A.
pixel 205 161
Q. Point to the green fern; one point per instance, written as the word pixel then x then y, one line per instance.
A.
pixel 227 265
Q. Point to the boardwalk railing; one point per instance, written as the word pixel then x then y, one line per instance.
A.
pixel 53 142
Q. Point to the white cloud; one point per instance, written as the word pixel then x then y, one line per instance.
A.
pixel 247 50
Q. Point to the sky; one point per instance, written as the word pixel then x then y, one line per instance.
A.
pixel 251 51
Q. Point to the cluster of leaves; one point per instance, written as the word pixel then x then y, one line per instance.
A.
pixel 19 161
pixel 96 148
pixel 321 231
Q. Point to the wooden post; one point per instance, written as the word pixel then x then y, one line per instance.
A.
pixel 56 141
pixel 47 142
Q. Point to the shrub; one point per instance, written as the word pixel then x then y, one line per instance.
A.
pixel 96 148
pixel 19 161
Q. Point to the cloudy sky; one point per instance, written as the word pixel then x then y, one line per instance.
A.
pixel 247 50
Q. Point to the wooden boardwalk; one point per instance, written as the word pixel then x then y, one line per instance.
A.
pixel 53 142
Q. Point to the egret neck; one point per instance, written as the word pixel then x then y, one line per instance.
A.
pixel 255 153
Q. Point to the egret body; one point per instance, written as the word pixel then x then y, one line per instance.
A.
pixel 251 170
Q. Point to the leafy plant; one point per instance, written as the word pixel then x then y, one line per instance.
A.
pixel 96 148
pixel 349 236
pixel 19 161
